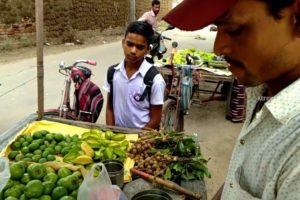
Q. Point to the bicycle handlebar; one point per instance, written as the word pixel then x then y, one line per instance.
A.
pixel 90 62
pixel 166 38
pixel 63 68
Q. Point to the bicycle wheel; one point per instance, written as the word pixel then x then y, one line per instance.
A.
pixel 169 120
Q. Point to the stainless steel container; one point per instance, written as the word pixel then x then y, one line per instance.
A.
pixel 115 171
pixel 154 194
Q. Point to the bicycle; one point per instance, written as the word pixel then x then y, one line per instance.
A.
pixel 88 99
pixel 175 107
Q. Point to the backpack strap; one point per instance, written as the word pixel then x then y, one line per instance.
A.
pixel 148 81
pixel 110 76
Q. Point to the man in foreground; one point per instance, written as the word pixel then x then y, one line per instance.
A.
pixel 260 39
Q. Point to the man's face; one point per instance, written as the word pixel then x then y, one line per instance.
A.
pixel 135 47
pixel 156 8
pixel 257 47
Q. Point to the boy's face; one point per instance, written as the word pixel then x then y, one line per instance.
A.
pixel 135 47
pixel 259 48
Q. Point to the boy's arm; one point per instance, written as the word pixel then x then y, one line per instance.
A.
pixel 155 117
pixel 110 119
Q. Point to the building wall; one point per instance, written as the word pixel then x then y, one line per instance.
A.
pixel 63 18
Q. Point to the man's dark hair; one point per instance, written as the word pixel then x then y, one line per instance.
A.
pixel 142 28
pixel 155 2
pixel 275 6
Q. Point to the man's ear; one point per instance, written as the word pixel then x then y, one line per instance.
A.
pixel 123 41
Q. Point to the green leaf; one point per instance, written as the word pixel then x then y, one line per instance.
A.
pixel 188 176
pixel 181 147
pixel 168 174
pixel 177 167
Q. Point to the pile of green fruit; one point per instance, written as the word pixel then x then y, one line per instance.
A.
pixel 42 146
pixel 199 56
pixel 94 145
pixel 36 181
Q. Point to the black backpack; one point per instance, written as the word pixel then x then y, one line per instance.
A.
pixel 148 81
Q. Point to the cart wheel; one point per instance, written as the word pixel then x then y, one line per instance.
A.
pixel 169 122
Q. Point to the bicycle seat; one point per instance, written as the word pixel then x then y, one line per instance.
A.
pixel 80 73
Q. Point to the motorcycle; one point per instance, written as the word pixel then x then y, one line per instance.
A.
pixel 158 48
pixel 88 98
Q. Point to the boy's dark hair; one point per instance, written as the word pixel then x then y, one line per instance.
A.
pixel 142 28
pixel 155 2
pixel 275 6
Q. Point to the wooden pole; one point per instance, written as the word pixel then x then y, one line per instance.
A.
pixel 39 18
pixel 167 184
pixel 132 10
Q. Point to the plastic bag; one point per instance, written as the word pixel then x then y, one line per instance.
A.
pixel 98 188
pixel 4 172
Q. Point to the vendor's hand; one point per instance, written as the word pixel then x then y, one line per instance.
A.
pixel 218 195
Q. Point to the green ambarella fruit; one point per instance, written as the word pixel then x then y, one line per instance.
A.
pixel 70 182
pixel 42 160
pixel 37 171
pixel 22 197
pixel 51 177
pixel 38 135
pixel 34 189
pixel 49 137
pixel 25 179
pixel 15 191
pixel 17 170
pixel 12 155
pixel 59 137
pixel 11 198
pixel 25 150
pixel 45 197
pixel 67 198
pixel 50 170
pixel 74 193
pixel 48 187
pixel 19 157
pixel 33 146
pixel 63 172
pixel 16 146
pixel 9 184
pixel 59 192
pixel 51 157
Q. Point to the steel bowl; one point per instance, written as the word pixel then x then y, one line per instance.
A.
pixel 154 194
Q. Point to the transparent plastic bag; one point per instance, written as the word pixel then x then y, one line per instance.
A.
pixel 99 187
pixel 4 172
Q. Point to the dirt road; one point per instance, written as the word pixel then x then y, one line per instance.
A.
pixel 18 95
